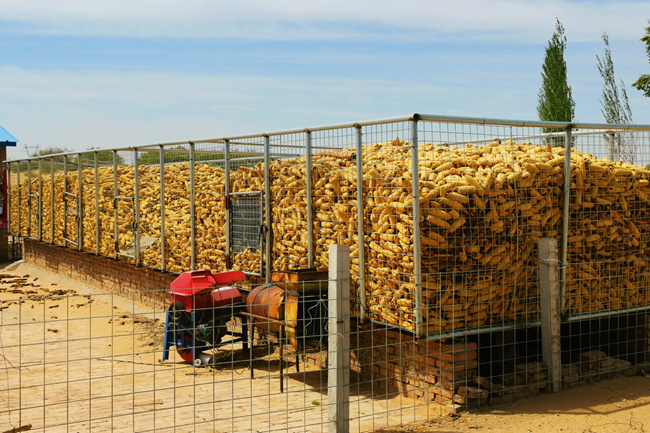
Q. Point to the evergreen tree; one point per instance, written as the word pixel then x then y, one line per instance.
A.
pixel 643 83
pixel 555 102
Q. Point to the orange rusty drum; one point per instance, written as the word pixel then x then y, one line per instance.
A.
pixel 277 306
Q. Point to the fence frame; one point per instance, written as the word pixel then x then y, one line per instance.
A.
pixel 306 134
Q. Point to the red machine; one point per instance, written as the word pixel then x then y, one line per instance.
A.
pixel 202 304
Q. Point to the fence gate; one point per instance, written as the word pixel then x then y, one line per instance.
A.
pixel 246 231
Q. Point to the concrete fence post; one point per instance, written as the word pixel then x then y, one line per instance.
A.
pixel 550 310
pixel 338 349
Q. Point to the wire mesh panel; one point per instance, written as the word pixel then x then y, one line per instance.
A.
pixel 289 202
pixel 58 195
pixel 246 229
pixel 210 202
pixel 71 202
pixel 487 199
pixel 388 211
pixel 149 202
pixel 104 195
pixel 34 201
pixel 47 208
pixel 89 208
pixel 124 209
pixel 334 190
pixel 246 204
pixel 176 202
pixel 12 199
pixel 606 292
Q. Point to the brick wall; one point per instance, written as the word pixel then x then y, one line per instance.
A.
pixel 143 284
pixel 395 363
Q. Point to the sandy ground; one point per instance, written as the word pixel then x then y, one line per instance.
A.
pixel 75 359
pixel 620 405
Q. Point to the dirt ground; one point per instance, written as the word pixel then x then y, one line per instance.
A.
pixel 620 405
pixel 75 359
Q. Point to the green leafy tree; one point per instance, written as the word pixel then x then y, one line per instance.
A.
pixel 174 154
pixel 46 164
pixel 643 82
pixel 181 154
pixel 555 102
pixel 50 151
pixel 104 157
pixel 615 107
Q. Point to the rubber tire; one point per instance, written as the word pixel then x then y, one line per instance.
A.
pixel 185 353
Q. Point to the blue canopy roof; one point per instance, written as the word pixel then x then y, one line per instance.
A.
pixel 6 139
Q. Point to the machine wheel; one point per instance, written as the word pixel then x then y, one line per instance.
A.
pixel 185 353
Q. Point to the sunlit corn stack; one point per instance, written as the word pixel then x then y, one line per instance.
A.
pixel 482 211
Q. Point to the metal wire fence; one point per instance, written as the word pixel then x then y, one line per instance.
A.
pixel 451 299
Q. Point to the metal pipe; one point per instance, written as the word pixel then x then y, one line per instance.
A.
pixel 192 211
pixel 29 198
pixel 360 224
pixel 310 216
pixel 427 117
pixel 39 225
pixel 52 194
pixel 530 123
pixel 473 331
pixel 161 155
pixel 566 196
pixel 65 201
pixel 18 197
pixel 267 208
pixel 417 249
pixel 226 186
pixel 116 234
pixel 97 241
pixel 10 224
pixel 600 314
pixel 80 214
pixel 136 208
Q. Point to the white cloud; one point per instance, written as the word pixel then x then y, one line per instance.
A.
pixel 508 20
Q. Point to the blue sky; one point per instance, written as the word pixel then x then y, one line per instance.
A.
pixel 123 73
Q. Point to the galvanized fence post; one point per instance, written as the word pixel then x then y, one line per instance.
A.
pixel 18 198
pixel 566 198
pixel 161 155
pixel 39 202
pixel 310 210
pixel 550 304
pixel 267 206
pixel 192 211
pixel 80 214
pixel 10 223
pixel 136 208
pixel 116 232
pixel 52 194
pixel 96 163
pixel 29 198
pixel 360 222
pixel 417 249
pixel 338 349
pixel 226 168
pixel 65 201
